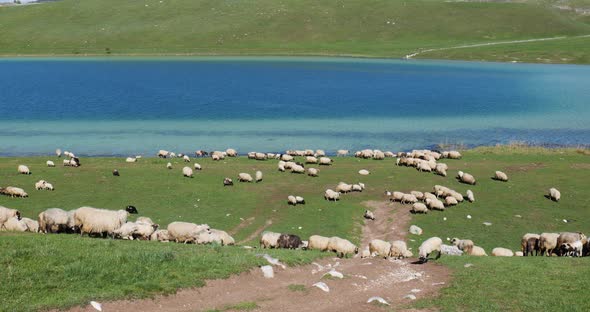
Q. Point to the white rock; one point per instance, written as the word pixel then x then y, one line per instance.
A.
pixel 450 250
pixel 268 271
pixel 415 290
pixel 468 265
pixel 415 230
pixel 445 219
pixel 410 296
pixel 334 273
pixel 378 299
pixel 273 261
pixel 487 223
pixel 322 286
pixel 96 305
pixel 468 216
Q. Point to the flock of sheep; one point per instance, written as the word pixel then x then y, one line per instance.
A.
pixel 104 222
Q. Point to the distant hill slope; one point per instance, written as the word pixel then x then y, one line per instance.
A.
pixel 378 28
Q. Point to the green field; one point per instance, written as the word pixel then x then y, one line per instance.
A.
pixel 41 271
pixel 374 28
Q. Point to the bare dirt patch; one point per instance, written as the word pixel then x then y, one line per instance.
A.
pixel 363 278
pixel 580 166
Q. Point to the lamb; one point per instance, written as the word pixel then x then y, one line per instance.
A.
pixel 185 232
pixel 573 249
pixel 465 245
pixel 53 220
pixel 169 165
pixel 478 251
pixel 144 230
pixel 99 221
pixel 44 185
pixel 126 231
pixel 379 248
pixel 258 176
pixel 22 169
pixel 357 188
pixel 419 208
pixel 369 215
pixel 161 236
pixel 187 172
pixel 292 200
pixel 399 250
pixel 364 172
pixel 269 239
pixel 244 177
pixel 231 152
pixel 289 241
pixel 197 166
pixel 548 243
pixel 502 252
pixel 470 196
pixel 429 246
pixel 318 242
pixel 13 192
pixel 466 178
pixel 131 159
pixel 554 194
pixel 342 247
pixel 312 172
pixel 15 224
pixel 50 163
pixel 32 225
pixel 325 161
pixel 568 237
pixel 500 176
pixel 529 243
pixel 228 182
pixel 330 195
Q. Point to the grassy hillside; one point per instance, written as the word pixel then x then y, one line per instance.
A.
pixel 55 270
pixel 378 28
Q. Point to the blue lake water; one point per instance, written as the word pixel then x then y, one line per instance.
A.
pixel 130 106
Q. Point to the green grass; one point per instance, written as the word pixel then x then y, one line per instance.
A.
pixel 46 271
pixel 280 27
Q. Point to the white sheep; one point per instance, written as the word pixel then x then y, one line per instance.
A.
pixel 312 172
pixel 548 243
pixel 450 201
pixel 341 246
pixel 297 169
pixel 224 237
pixel 126 231
pixel 418 195
pixel 32 225
pixel 15 225
pixel 397 196
pixel 311 160
pixel 325 161
pixel 331 195
pixel 99 221
pixel 300 200
pixel 369 215
pixel 7 213
pixel 409 199
pixel 286 157
pixel 554 194
pixel 357 188
pixel 343 187
pixel 187 172
pixel 13 191
pixel 186 232
pixel 399 250
pixel 318 242
pixel 466 178
pixel 440 169
pixel 500 176
pixel 163 154
pixel 419 208
pixel 342 152
pixel 465 245
pixel 169 165
pixel 292 200
pixel 364 172
pixel 131 159
pixel 269 239
pixel 502 252
pixel 185 158
pixel 477 251
pixel 470 196
pixel 429 246
pixel 58 153
pixel 231 152
pixel 258 176
pixel 50 163
pixel 320 153
pixel 22 169
pixel 161 236
pixel 379 248
pixel 244 177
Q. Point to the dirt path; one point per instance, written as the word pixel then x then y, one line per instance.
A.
pixel 363 278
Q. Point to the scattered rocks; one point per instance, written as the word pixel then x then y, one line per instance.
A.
pixel 410 296
pixel 97 306
pixel 415 290
pixel 468 216
pixel 322 286
pixel 334 273
pixel 415 230
pixel 487 223
pixel 468 265
pixel 378 299
pixel 268 271
pixel 450 250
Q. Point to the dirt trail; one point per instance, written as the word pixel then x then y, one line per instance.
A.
pixel 363 278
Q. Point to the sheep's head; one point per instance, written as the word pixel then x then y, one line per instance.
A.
pixel 356 250
pixel 460 174
pixel 455 241
pixel 18 215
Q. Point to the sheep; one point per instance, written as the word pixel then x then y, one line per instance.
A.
pixel 58 153
pixel 217 155
pixel 342 152
pixel 289 241
pixel 22 169
pixel 201 153
pixel 161 236
pixel 364 172
pixel 502 252
pixel 300 200
pixel 71 224
pixel 74 162
pixel 325 161
pixel 269 239
pixel 125 231
pixel 429 246
pixel 477 251
pixel 399 250
pixel 424 167
pixel 419 208
pixel 369 215
pixel 434 204
pixel 397 196
pixel 50 163
pixel 291 200
pixel 7 213
pixel 343 187
pixel 185 158
pixel 258 176
pixel 32 225
pixel 378 155
pixel 185 232
pixel 297 169
pixel 529 243
pixel 466 178
pixel 429 196
pixel 13 192
pixel 244 177
pixel 286 157
pixel 568 237
pixel 379 248
pixel 548 243
pixel 312 172
pixel 228 182
pixel 224 238
pixel 44 185
pixel 311 160
pixel 342 247
pixel 187 172
pixel 53 220
pixel 465 245
pixel 330 195
pixel 318 242
pixel 144 230
pixel 231 152
pixel 320 153
pixel 116 173
pixel 99 221
pixel 418 195
pixel 144 220
pixel 281 167
pixel 440 169
pixel 131 159
pixel 357 188
pixel 450 201
pixel 573 249
pixel 453 155
pixel 15 224
pixel 163 154
pixel 409 199
pixel 470 196
pixel 554 194
pixel 500 176
pixel 169 165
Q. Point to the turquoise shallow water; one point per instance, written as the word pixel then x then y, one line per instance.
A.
pixel 137 106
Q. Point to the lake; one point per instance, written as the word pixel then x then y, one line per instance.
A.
pixel 128 106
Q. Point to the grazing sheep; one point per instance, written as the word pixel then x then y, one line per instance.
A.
pixel 7 213
pixel 54 220
pixel 292 200
pixel 548 243
pixel 379 248
pixel 397 196
pixel 13 192
pixel 318 242
pixel 325 161
pixel 15 224
pixel 269 239
pixel 342 247
pixel 418 195
pixel 574 249
pixel 369 215
pixel 399 250
pixel 343 187
pixel 452 155
pixel 568 237
pixel 228 182
pixel 357 188
pixel 409 199
pixel 477 251
pixel 185 158
pixel 424 167
pixel 440 169
pixel 40 185
pixel 244 177
pixel 286 157
pixel 554 194
pixel 224 237
pixel 465 245
pixel 289 241
pixel 342 152
pixel 450 201
pixel 186 232
pixel 201 153
pixel 300 200
pixel 419 208
pixel 312 172
pixel 144 230
pixel 32 225
pixel 429 196
pixel 502 252
pixel 364 172
pixel 163 154
pixel 99 221
pixel 529 243
pixel 434 204
pixel 50 163
pixel 22 169
pixel 320 153
pixel 311 160
pixel 187 172
pixel 231 152
pixel 466 178
pixel 258 176
pixel 116 173
pixel 378 155
pixel 126 231
pixel 58 153
pixel 330 195
pixel 131 159
pixel 297 169
pixel 161 236
pixel 470 196
pixel 500 176
pixel 197 166
pixel 429 246
pixel 169 165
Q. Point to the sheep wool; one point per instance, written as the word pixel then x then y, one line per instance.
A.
pixel 187 172
pixel 379 248
pixel 318 242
